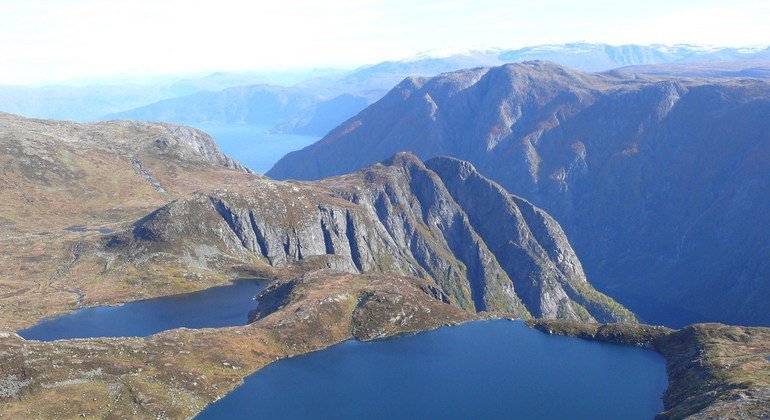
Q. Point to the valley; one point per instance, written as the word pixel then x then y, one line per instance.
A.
pixel 255 146
pixel 120 240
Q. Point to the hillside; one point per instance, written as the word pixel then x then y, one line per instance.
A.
pixel 57 174
pixel 657 181
pixel 63 183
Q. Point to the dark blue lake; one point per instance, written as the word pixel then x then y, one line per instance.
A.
pixel 253 145
pixel 491 369
pixel 222 306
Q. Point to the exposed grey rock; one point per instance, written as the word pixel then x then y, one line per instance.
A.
pixel 396 218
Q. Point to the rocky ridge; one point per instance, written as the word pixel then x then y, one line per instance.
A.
pixel 399 217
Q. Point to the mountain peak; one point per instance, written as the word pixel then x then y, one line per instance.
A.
pixel 402 159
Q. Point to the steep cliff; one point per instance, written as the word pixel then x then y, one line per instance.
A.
pixel 399 218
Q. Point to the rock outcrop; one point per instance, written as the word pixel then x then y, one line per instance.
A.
pixel 485 249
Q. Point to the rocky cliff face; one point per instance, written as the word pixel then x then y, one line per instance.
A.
pixel 485 249
pixel 658 182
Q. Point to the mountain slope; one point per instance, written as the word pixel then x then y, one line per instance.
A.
pixel 658 182
pixel 396 218
pixel 62 184
pixel 55 173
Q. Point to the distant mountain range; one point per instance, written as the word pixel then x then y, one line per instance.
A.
pixel 90 99
pixel 329 101
pixel 287 109
pixel 581 56
pixel 328 96
pixel 759 69
pixel 659 182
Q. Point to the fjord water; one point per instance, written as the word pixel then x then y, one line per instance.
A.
pixel 490 369
pixel 254 145
pixel 222 306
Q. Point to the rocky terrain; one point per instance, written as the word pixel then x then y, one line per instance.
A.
pixel 73 190
pixel 399 217
pixel 714 370
pixel 657 181
pixel 57 174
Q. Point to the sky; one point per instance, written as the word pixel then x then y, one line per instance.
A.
pixel 55 40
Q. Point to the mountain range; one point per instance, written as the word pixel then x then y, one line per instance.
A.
pixel 297 110
pixel 317 105
pixel 111 212
pixel 330 96
pixel 656 180
pixel 89 99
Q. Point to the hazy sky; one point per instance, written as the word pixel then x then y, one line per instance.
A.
pixel 46 40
